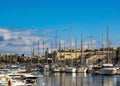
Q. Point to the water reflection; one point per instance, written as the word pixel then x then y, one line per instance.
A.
pixel 73 79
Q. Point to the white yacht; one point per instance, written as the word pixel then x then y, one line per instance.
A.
pixel 56 69
pixel 62 69
pixel 6 80
pixel 70 70
pixel 81 70
pixel 46 67
pixel 107 69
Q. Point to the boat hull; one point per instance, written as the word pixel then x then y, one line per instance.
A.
pixel 107 71
pixel 70 70
pixel 81 70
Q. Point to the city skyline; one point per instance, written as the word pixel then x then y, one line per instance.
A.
pixel 25 21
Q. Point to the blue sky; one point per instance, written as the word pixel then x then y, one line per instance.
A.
pixel 93 16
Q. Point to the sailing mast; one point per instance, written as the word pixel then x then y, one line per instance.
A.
pixel 102 44
pixel 55 47
pixel 43 44
pixel 82 48
pixel 71 45
pixel 52 51
pixel 60 50
pixel 38 51
pixel 43 50
pixel 76 48
pixel 108 45
pixel 56 40
pixel 64 53
pixel 32 51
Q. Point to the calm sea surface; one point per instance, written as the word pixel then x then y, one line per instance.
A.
pixel 68 79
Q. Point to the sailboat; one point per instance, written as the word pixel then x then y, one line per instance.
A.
pixel 71 68
pixel 62 68
pixel 59 67
pixel 83 68
pixel 108 68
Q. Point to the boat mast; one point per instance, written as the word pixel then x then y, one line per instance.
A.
pixel 52 51
pixel 64 48
pixel 71 44
pixel 38 51
pixel 43 44
pixel 33 51
pixel 55 58
pixel 60 51
pixel 56 40
pixel 64 53
pixel 81 47
pixel 76 48
pixel 108 45
pixel 102 44
pixel 43 49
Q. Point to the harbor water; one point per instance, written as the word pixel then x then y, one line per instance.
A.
pixel 73 79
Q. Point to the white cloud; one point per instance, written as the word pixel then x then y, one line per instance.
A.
pixel 90 44
pixel 5 33
pixel 20 41
pixel 3 30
